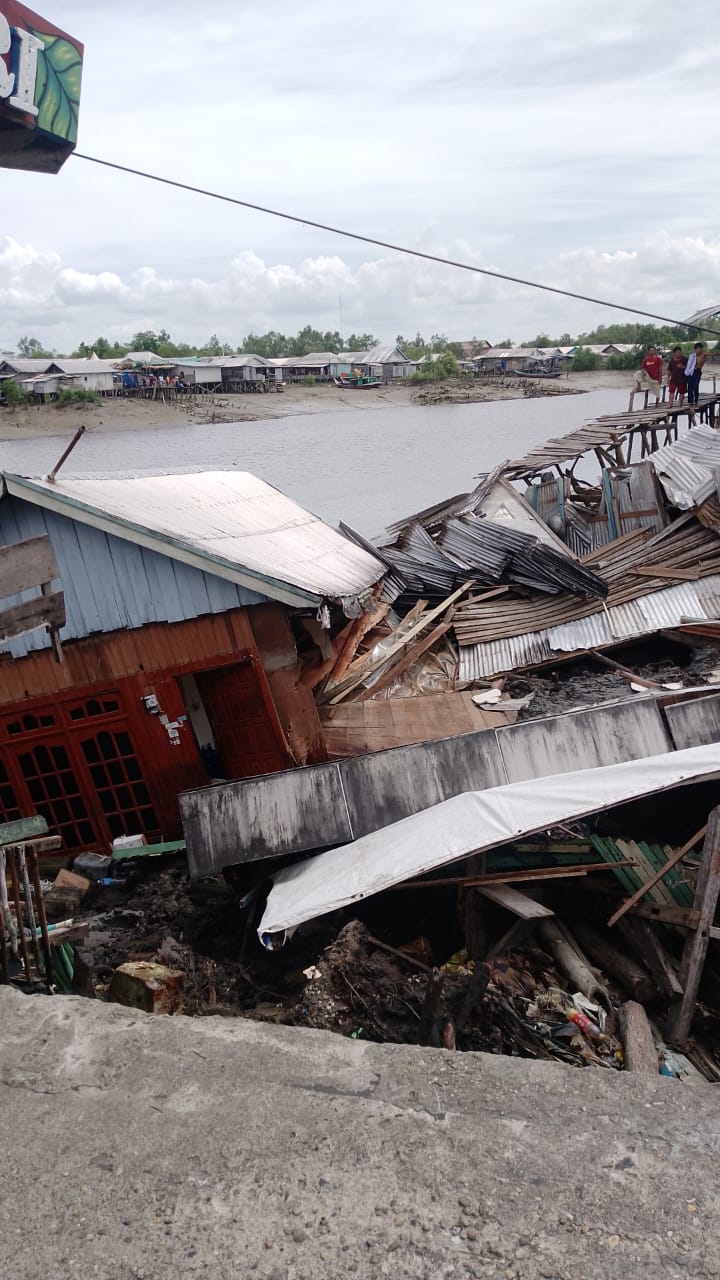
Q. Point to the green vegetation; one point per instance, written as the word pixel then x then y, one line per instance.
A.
pixel 628 359
pixel 13 394
pixel 641 336
pixel 585 360
pixel 417 347
pixel 32 349
pixel 309 379
pixel 79 396
pixel 446 366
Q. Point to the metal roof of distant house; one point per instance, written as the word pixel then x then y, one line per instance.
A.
pixel 514 353
pixel 12 364
pixel 385 355
pixel 313 359
pixel 227 523
pixel 200 362
pixel 706 314
pixel 146 358
pixel 90 365
pixel 245 360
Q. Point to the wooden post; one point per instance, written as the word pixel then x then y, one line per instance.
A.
pixel 638 1046
pixel 682 1008
pixel 570 962
pixel 636 980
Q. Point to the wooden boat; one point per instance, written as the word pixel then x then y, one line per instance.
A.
pixel 358 383
pixel 538 373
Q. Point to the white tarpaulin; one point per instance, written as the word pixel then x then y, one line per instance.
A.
pixel 473 821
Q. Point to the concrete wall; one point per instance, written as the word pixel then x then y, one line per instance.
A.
pixel 319 807
pixel 695 723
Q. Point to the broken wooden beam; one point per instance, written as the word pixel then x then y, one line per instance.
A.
pixel 648 946
pixel 638 1045
pixel 632 977
pixel 512 900
pixel 508 877
pixel 346 686
pixel 682 1009
pixel 411 655
pixel 571 962
pixel 353 640
pixel 141 984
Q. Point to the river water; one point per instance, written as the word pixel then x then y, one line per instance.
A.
pixel 367 467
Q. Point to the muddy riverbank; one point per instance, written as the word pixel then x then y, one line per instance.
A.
pixel 119 414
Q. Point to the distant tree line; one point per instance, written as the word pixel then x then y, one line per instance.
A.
pixel 269 345
pixel 640 335
pixel 273 343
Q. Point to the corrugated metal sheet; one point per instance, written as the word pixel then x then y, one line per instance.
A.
pixel 19 365
pixel 605 432
pixel 685 547
pixel 687 467
pixel 84 366
pixel 649 613
pixel 492 534
pixel 111 584
pixel 227 523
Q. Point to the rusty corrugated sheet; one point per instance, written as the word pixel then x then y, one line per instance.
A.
pixel 156 648
pixel 655 612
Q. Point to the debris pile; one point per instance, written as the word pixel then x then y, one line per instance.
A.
pixel 539 564
pixel 516 1003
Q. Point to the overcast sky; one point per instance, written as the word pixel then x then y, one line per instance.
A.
pixel 575 145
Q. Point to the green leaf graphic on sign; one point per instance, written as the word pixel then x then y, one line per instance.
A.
pixel 57 87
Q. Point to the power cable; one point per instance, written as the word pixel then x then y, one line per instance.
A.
pixel 385 244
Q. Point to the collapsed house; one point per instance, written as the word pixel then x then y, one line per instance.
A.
pixel 180 659
pixel 423 801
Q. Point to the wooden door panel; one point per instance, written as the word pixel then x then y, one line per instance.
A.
pixel 246 735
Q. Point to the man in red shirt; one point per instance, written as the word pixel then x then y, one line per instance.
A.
pixel 649 376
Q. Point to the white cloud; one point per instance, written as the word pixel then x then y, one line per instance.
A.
pixel 669 275
pixel 541 140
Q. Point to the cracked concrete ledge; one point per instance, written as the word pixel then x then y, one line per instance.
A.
pixel 140 1148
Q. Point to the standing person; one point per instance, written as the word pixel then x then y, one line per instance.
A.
pixel 677 382
pixel 650 374
pixel 693 372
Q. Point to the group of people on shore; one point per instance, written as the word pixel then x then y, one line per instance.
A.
pixel 683 374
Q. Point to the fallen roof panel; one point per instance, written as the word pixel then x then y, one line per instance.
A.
pixel 687 468
pixel 468 823
pixel 658 611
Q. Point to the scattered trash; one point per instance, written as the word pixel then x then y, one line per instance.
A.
pixel 93 865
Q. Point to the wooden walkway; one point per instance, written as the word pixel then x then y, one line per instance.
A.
pixel 612 438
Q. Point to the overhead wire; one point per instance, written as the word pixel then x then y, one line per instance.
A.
pixel 386 244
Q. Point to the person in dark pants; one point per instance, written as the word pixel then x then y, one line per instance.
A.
pixel 677 383
pixel 693 372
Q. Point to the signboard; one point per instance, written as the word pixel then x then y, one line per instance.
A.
pixel 40 74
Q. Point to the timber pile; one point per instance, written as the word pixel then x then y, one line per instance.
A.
pixel 372 655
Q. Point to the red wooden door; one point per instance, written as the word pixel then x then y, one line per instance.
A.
pixel 247 735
